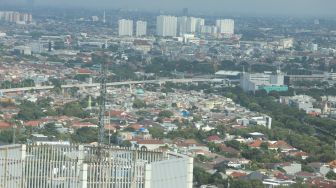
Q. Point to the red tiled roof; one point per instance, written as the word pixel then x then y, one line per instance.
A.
pixel 256 143
pixel 83 124
pixel 84 71
pixel 116 113
pixel 332 164
pixel 213 138
pixel 281 144
pixel 237 174
pixel 231 150
pixel 4 125
pixel 32 123
pixel 300 154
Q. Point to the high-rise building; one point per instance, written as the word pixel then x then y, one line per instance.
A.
pixel 199 23
pixel 166 26
pixel 225 26
pixel 104 17
pixel 191 24
pixel 141 28
pixel 185 11
pixel 16 17
pixel 95 18
pixel 125 27
pixel 182 25
pixel 208 30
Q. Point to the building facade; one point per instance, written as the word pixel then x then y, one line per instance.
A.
pixel 40 166
pixel 125 27
pixel 225 26
pixel 166 26
pixel 141 28
pixel 263 81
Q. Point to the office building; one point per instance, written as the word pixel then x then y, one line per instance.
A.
pixel 225 26
pixel 166 26
pixel 79 166
pixel 125 27
pixel 263 81
pixel 141 28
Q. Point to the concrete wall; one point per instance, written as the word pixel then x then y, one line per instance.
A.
pixel 173 173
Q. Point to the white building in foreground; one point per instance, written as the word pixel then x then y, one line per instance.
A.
pixel 40 166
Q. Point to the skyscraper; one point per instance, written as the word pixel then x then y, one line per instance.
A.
pixel 185 11
pixel 125 27
pixel 225 26
pixel 166 26
pixel 141 28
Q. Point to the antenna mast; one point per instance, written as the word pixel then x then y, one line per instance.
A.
pixel 102 102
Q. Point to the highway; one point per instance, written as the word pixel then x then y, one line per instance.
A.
pixel 86 85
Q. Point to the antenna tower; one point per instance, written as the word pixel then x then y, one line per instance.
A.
pixel 102 101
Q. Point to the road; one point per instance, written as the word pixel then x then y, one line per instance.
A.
pixel 160 81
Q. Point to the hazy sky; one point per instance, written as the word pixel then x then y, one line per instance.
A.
pixel 293 7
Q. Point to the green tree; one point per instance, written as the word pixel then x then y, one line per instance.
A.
pixel 156 132
pixel 246 184
pixel 331 175
pixel 49 129
pixel 29 111
pixel 85 135
pixel 138 103
pixel 126 144
pixel 166 113
pixel 201 177
pixel 74 109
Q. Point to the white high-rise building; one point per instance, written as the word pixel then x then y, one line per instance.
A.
pixel 191 24
pixel 208 30
pixel 16 17
pixel 141 28
pixel 199 23
pixel 125 27
pixel 225 26
pixel 194 25
pixel 182 25
pixel 166 26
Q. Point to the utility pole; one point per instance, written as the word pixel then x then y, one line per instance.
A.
pixel 14 132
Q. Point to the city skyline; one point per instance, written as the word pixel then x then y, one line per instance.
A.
pixel 255 7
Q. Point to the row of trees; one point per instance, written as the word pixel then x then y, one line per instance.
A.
pixel 289 124
pixel 23 83
pixel 32 111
